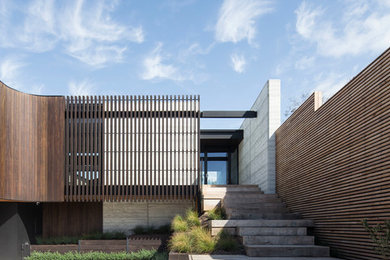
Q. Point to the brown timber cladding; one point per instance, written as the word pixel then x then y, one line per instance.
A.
pixel 333 163
pixel 31 146
pixel 130 148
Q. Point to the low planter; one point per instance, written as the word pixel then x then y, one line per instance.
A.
pixel 134 243
pixel 178 256
pixel 54 248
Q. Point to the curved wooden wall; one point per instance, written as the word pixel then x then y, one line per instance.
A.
pixel 333 163
pixel 31 146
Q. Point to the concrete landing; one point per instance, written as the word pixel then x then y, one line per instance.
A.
pixel 244 257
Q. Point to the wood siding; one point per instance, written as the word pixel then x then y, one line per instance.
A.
pixel 132 148
pixel 31 146
pixel 333 161
pixel 71 218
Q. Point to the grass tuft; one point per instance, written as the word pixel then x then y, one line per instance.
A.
pixel 192 218
pixel 202 240
pixel 217 213
pixel 179 224
pixel 181 242
pixel 226 242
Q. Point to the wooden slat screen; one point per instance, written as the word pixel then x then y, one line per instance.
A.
pixel 332 163
pixel 32 145
pixel 128 148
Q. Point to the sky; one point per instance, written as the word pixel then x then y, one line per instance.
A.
pixel 224 51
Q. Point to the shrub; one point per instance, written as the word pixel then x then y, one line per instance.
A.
pixel 380 235
pixel 227 242
pixel 140 255
pixel 192 218
pixel 217 213
pixel 181 242
pixel 202 240
pixel 179 224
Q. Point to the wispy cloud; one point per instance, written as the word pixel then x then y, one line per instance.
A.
pixel 81 88
pixel 238 62
pixel 329 83
pixel 363 27
pixel 237 19
pixel 86 31
pixel 155 68
pixel 304 62
pixel 10 71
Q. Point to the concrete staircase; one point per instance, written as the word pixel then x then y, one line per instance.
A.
pixel 262 221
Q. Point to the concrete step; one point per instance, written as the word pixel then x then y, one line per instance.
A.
pixel 258 209
pixel 229 188
pixel 262 205
pixel 287 250
pixel 272 231
pixel 218 194
pixel 233 200
pixel 261 223
pixel 277 240
pixel 262 215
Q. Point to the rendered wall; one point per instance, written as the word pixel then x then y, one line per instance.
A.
pixel 257 149
pixel 332 161
pixel 32 154
pixel 124 216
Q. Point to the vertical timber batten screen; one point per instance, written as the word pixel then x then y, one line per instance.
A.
pixel 131 148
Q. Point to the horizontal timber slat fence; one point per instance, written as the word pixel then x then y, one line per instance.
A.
pixel 333 161
pixel 131 148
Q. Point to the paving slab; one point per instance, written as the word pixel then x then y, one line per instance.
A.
pixel 244 257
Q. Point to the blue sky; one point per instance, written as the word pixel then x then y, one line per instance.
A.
pixel 222 50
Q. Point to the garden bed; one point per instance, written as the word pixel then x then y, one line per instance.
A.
pixel 134 243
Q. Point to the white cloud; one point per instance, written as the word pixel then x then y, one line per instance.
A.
pixel 364 27
pixel 238 62
pixel 329 83
pixel 304 63
pixel 154 67
pixel 237 19
pixel 82 88
pixel 10 72
pixel 86 31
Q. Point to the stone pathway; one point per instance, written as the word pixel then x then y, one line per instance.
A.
pixel 244 257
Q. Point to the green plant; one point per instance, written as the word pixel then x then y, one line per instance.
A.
pixel 180 242
pixel 380 235
pixel 217 213
pixel 202 240
pixel 192 218
pixel 140 255
pixel 226 242
pixel 179 224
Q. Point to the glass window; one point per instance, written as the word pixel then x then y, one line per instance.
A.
pixel 216 172
pixel 216 154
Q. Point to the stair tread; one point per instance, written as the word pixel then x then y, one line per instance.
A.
pixel 262 222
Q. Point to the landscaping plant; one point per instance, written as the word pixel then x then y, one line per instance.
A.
pixel 217 213
pixel 380 235
pixel 190 237
pixel 140 255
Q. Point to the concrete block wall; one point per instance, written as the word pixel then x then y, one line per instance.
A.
pixel 124 216
pixel 257 149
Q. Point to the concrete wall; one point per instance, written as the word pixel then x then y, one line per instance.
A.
pixel 124 216
pixel 257 150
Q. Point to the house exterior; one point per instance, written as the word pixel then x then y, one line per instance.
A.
pixel 74 165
